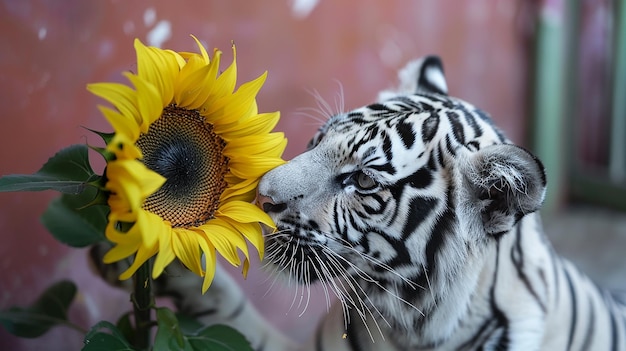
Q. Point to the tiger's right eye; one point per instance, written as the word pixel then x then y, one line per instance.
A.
pixel 364 181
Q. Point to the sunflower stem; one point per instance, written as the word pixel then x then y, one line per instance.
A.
pixel 142 306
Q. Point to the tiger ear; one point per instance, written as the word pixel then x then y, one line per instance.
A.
pixel 504 183
pixel 430 77
pixel 422 75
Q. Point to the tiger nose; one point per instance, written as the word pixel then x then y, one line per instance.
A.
pixel 268 205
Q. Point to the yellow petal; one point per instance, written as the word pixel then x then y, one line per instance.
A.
pixel 114 235
pixel 143 254
pixel 244 212
pixel 227 80
pixel 225 239
pixel 240 104
pixel 121 250
pixel 203 52
pixel 133 181
pixel 244 269
pixel 149 227
pixel 123 97
pixel 245 189
pixel 122 216
pixel 223 86
pixel 246 167
pixel 150 102
pixel 159 68
pixel 185 244
pixel 123 147
pixel 210 259
pixel 166 254
pixel 252 232
pixel 194 84
pixel 253 125
pixel 122 124
pixel 180 61
pixel 272 144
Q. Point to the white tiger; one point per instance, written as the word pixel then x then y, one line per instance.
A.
pixel 419 215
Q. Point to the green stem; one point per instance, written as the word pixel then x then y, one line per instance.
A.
pixel 142 306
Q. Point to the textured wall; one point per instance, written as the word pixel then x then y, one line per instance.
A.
pixel 52 49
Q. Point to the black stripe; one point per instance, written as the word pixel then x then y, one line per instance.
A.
pixel 433 62
pixel 614 333
pixel 500 317
pixel 382 205
pixel 517 257
pixel 378 107
pixel 430 127
pixel 469 117
pixel 319 338
pixel 451 149
pixel 406 133
pixel 441 229
pixel 432 160
pixel 555 273
pixel 591 323
pixel 342 230
pixel 485 117
pixel 402 257
pixel 574 307
pixel 420 179
pixel 457 126
pixel 419 209
pixel 353 336
pixel 480 336
pixel 387 166
pixel 203 313
pixel 440 156
pixel 262 344
pixel 410 105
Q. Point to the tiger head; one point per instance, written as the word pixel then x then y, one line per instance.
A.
pixel 405 190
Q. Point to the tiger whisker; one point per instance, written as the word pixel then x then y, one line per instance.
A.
pixel 314 114
pixel 324 287
pixel 375 261
pixel 328 278
pixel 364 309
pixel 308 288
pixel 371 280
pixel 323 105
pixel 432 295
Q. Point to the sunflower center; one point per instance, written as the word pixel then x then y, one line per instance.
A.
pixel 184 149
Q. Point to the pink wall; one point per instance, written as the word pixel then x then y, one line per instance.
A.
pixel 52 49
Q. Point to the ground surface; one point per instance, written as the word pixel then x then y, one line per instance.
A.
pixel 594 239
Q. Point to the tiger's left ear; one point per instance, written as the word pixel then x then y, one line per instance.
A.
pixel 430 77
pixel 502 183
pixel 422 75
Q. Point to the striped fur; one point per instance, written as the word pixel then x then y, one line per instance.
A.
pixel 418 215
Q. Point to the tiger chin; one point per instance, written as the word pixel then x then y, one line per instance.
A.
pixel 419 216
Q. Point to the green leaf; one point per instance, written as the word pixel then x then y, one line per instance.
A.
pixel 112 340
pixel 219 338
pixel 187 324
pixel 169 335
pixel 73 221
pixel 125 327
pixel 106 137
pixel 68 171
pixel 49 310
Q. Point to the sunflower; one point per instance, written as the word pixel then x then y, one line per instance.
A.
pixel 187 154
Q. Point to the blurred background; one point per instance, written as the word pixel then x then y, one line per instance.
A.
pixel 552 74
